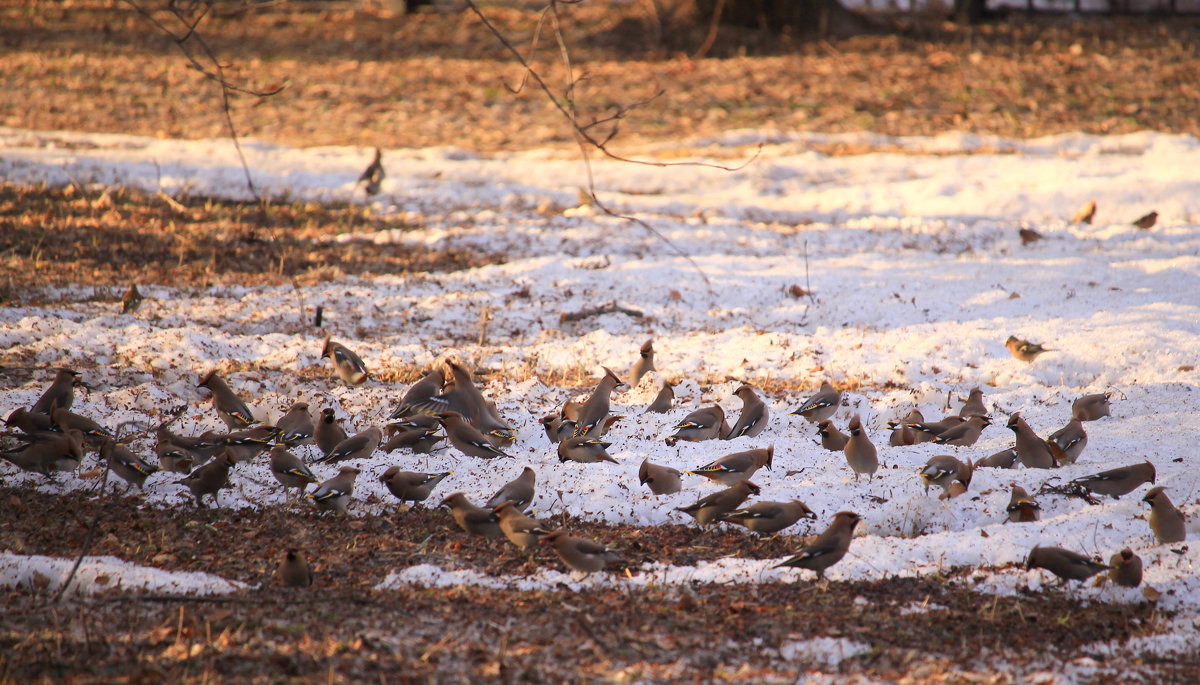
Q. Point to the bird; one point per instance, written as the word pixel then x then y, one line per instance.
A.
pixel 584 450
pixel 328 432
pixel 860 453
pixel 521 530
pixel 47 452
pixel 974 404
pixel 1147 221
pixel 61 392
pixel 1125 568
pixel 964 434
pixel 290 471
pixel 822 405
pixel 734 468
pixel 64 419
pixel 579 554
pixel 294 571
pixel 175 458
pixel 1091 407
pixel 1024 350
pixel 1067 443
pixel 705 423
pixel 210 478
pixel 766 518
pixel 711 508
pixel 643 365
pixel 927 431
pixel 1028 235
pixel 829 547
pixel 473 519
pixel 595 409
pixel 409 486
pixel 131 300
pixel 462 396
pixel 557 427
pixel 296 426
pixel 348 366
pixel 903 433
pixel 754 417
pixel 662 480
pixel 232 410
pixel 128 466
pixel 419 440
pixel 244 445
pixel 1064 563
pixel 28 421
pixel 1166 521
pixel 1085 213
pixel 358 446
pixel 942 470
pixel 373 176
pixel 1021 507
pixel 519 491
pixel 663 401
pixel 1119 481
pixel 334 494
pixel 467 439
pixel 832 439
pixel 419 393
pixel 1004 459
pixel 1032 451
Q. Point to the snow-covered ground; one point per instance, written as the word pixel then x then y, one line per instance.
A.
pixel 919 277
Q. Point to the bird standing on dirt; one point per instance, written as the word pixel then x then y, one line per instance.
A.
pixel 347 365
pixel 471 518
pixel 579 554
pixel 373 176
pixel 334 494
pixel 210 478
pixel 294 571
pixel 521 530
pixel 408 486
pixel 128 466
pixel 829 547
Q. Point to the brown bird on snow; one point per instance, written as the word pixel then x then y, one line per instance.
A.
pixel 296 426
pixel 348 366
pixel 1028 235
pixel 294 571
pixel 860 453
pixel 1004 459
pixel 46 452
pixel 210 478
pixel 357 446
pixel 467 439
pixel 409 486
pixel 584 450
pixel 1033 452
pixel 419 440
pixel 175 458
pixel 131 300
pixel 927 431
pixel 711 508
pixel 734 468
pixel 829 547
pixel 1023 349
pixel 766 518
pixel 643 365
pixel 579 554
pixel 93 432
pixel 421 392
pixel 595 410
pixel 1021 507
pixel 964 434
pixel 754 417
pixel 373 176
pixel 473 519
pixel 1091 407
pixel 974 404
pixel 1064 563
pixel 521 530
pixel 1085 213
pixel 128 466
pixel 663 401
pixel 290 471
pixel 29 422
pixel 822 405
pixel 903 433
pixel 706 423
pixel 1165 520
pixel 557 427
pixel 943 470
pixel 1067 443
pixel 519 491
pixel 663 480
pixel 334 494
pixel 1147 221
pixel 1119 481
pixel 833 439
pixel 1125 568
pixel 232 410
pixel 328 432
pixel 61 392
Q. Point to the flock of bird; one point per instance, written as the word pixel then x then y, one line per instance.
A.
pixel 445 404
